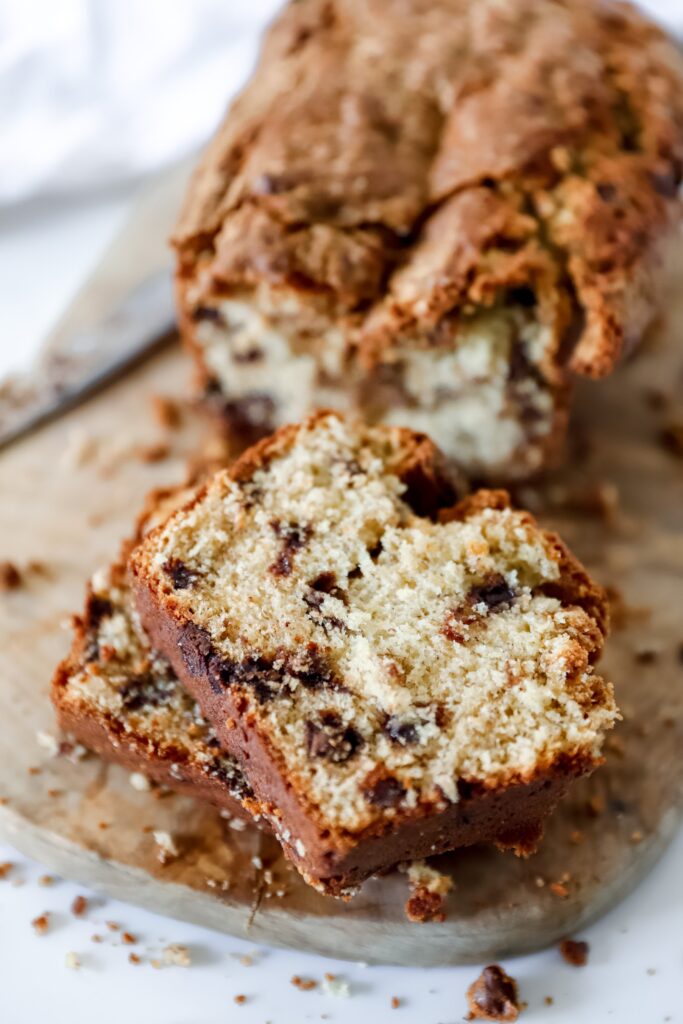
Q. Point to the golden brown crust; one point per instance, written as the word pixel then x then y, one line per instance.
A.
pixel 407 160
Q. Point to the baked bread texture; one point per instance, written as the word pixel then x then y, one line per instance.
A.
pixel 397 675
pixel 434 213
pixel 119 698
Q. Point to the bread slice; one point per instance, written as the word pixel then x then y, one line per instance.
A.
pixel 434 215
pixel 396 677
pixel 119 698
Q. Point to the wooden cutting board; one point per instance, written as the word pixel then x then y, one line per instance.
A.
pixel 68 495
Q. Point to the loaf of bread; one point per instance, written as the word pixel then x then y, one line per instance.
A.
pixel 434 213
pixel 397 675
pixel 121 699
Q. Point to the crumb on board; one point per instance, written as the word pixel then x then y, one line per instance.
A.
pixel 167 847
pixel 548 1000
pixel 96 938
pixel 493 996
pixel 48 742
pixel 574 952
pixel 5 868
pixel 113 926
pixel 240 999
pixel 72 961
pixel 45 881
pixel 166 411
pixel 133 958
pixel 395 1002
pixel 176 955
pixel 139 781
pixel 155 452
pixel 428 891
pixel 41 923
pixel 127 939
pixel 10 577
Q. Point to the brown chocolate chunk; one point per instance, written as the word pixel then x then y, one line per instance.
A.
pixel 294 537
pixel 386 792
pixel 400 732
pixel 494 593
pixel 331 739
pixel 181 575
pixel 206 313
pixel 574 952
pixel 144 691
pixel 10 577
pixel 493 996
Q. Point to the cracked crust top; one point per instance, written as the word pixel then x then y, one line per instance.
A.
pixel 415 158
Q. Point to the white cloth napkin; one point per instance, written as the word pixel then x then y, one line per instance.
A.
pixel 96 92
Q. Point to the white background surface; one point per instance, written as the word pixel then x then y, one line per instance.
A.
pixel 635 970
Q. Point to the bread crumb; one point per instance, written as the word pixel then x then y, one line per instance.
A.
pixel 133 958
pixel 559 889
pixel 304 984
pixel 46 881
pixel 72 961
pixel 429 889
pixel 139 781
pixel 127 939
pixel 395 1002
pixel 334 986
pixel 5 869
pixel 493 996
pixel 96 938
pixel 574 952
pixel 166 411
pixel 41 923
pixel 156 452
pixel 48 742
pixel 10 577
pixel 113 926
pixel 548 1000
pixel 177 955
pixel 240 999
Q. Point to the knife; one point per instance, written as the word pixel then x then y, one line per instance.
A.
pixel 74 365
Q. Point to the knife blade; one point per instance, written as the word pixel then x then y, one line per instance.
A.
pixel 75 365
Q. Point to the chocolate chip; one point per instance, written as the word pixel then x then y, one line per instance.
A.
pixel 606 190
pixel 206 313
pixel 493 996
pixel 98 608
pixel 666 182
pixel 294 537
pixel 494 593
pixel 250 355
pixel 253 415
pixel 387 792
pixel 229 774
pixel 400 732
pixel 181 575
pixel 145 691
pixel 332 740
pixel 312 671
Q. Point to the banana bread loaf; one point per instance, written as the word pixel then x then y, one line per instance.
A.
pixel 434 213
pixel 397 677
